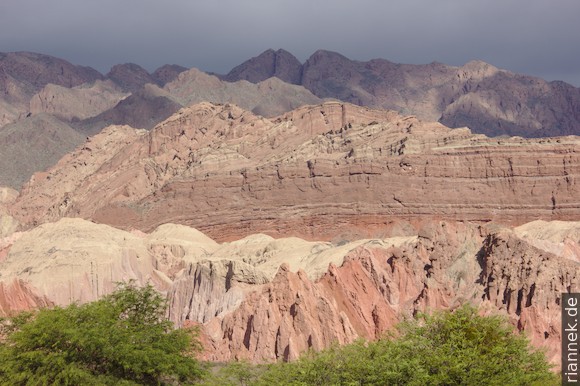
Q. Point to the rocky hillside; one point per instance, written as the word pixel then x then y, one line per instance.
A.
pixel 264 299
pixel 320 172
pixel 477 95
pixel 486 99
pixel 323 224
pixel 23 74
pixel 33 143
pixel 85 101
pixel 268 98
pixel 280 64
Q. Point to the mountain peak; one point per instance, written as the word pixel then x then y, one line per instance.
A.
pixel 167 73
pixel 327 53
pixel 281 64
pixel 130 76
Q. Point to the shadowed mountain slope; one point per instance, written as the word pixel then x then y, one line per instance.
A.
pixel 477 95
pixel 31 144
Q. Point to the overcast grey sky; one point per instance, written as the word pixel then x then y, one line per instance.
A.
pixel 535 37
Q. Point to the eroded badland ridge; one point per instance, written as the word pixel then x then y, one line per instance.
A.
pixel 317 172
pixel 264 299
pixel 289 223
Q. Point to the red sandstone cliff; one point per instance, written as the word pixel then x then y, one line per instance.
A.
pixel 320 172
pixel 265 299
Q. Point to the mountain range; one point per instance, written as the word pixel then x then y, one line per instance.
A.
pixel 279 216
pixel 477 95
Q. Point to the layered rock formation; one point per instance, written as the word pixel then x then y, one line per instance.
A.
pixel 321 172
pixel 82 100
pixel 477 95
pixel 406 215
pixel 267 299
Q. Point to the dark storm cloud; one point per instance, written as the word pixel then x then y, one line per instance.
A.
pixel 534 37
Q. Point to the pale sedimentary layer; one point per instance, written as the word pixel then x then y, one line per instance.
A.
pixel 268 299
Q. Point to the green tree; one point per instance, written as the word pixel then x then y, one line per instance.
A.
pixel 122 339
pixel 445 348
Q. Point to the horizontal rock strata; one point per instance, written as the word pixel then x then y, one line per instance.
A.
pixel 319 172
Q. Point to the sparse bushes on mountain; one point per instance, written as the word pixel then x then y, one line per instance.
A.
pixel 122 339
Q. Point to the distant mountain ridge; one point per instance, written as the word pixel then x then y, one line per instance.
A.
pixel 478 95
pixel 42 92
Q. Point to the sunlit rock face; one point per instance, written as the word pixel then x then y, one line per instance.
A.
pixel 318 172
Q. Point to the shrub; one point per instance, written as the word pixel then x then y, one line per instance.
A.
pixel 121 339
pixel 445 348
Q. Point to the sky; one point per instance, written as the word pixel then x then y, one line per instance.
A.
pixel 533 37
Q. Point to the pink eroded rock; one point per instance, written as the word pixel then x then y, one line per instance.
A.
pixel 317 172
pixel 17 296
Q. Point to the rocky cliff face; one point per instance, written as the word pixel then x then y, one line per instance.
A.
pixel 320 172
pixel 267 299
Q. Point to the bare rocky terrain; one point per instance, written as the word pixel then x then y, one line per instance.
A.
pixel 23 74
pixel 265 299
pixel 317 172
pixel 85 101
pixel 279 221
pixel 478 95
pixel 33 143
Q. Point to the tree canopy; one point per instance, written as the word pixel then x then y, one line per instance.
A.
pixel 444 348
pixel 123 338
